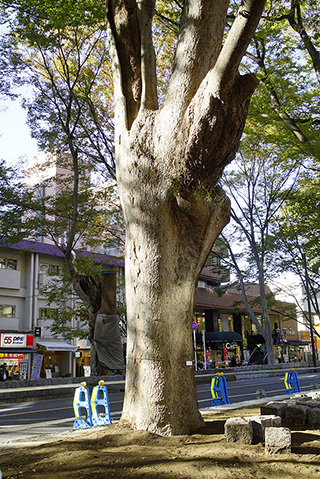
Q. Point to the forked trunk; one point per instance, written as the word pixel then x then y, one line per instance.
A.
pixel 169 162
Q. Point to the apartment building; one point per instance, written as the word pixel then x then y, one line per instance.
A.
pixel 27 345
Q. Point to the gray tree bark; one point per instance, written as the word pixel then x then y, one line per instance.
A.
pixel 169 162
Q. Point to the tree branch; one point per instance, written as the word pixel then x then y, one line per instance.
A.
pixel 298 26
pixel 149 99
pixel 199 44
pixel 125 50
pixel 225 71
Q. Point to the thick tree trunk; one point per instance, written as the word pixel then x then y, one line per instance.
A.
pixel 167 242
pixel 160 387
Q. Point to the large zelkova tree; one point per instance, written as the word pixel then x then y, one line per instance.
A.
pixel 169 161
pixel 258 183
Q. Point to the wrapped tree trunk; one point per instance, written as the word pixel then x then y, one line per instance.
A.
pixel 169 161
pixel 107 339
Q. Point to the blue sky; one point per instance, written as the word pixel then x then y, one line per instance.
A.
pixel 15 138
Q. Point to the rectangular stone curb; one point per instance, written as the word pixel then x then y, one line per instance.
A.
pixel 259 424
pixel 277 440
pixel 314 416
pixel 274 408
pixel 238 429
pixel 249 430
pixel 297 414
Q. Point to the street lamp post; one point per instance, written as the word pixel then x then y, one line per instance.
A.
pixel 284 342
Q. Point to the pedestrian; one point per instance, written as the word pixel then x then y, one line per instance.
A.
pixel 3 375
pixel 233 362
pixel 6 374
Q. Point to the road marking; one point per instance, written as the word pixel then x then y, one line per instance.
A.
pixel 35 412
pixel 45 423
pixel 43 410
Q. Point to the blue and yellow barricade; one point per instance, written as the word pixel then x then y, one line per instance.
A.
pixel 219 390
pixel 291 382
pixel 81 404
pixel 100 405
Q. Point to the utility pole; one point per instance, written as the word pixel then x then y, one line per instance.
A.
pixel 309 312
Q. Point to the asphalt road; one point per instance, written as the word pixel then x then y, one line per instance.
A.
pixel 28 421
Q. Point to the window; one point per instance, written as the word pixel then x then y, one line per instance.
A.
pixel 6 263
pixel 44 268
pixel 48 313
pixel 49 269
pixel 7 311
pixel 215 261
pixel 11 264
pixel 54 269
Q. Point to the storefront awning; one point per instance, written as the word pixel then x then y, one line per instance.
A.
pixel 57 346
pixel 297 342
pixel 223 337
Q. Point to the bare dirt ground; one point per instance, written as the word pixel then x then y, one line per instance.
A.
pixel 118 452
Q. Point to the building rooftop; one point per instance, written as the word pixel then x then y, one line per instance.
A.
pixel 53 250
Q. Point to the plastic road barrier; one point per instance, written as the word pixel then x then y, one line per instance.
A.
pixel 81 402
pixel 291 382
pixel 100 402
pixel 219 390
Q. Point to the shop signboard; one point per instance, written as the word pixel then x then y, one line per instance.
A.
pixel 10 340
pixel 11 356
pixel 23 369
pixel 36 366
pixel 225 354
pixel 304 335
pixel 317 338
pixel 16 340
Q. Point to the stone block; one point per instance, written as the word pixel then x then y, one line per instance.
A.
pixel 259 424
pixel 310 404
pixel 297 414
pixel 238 429
pixel 314 416
pixel 274 408
pixel 277 440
